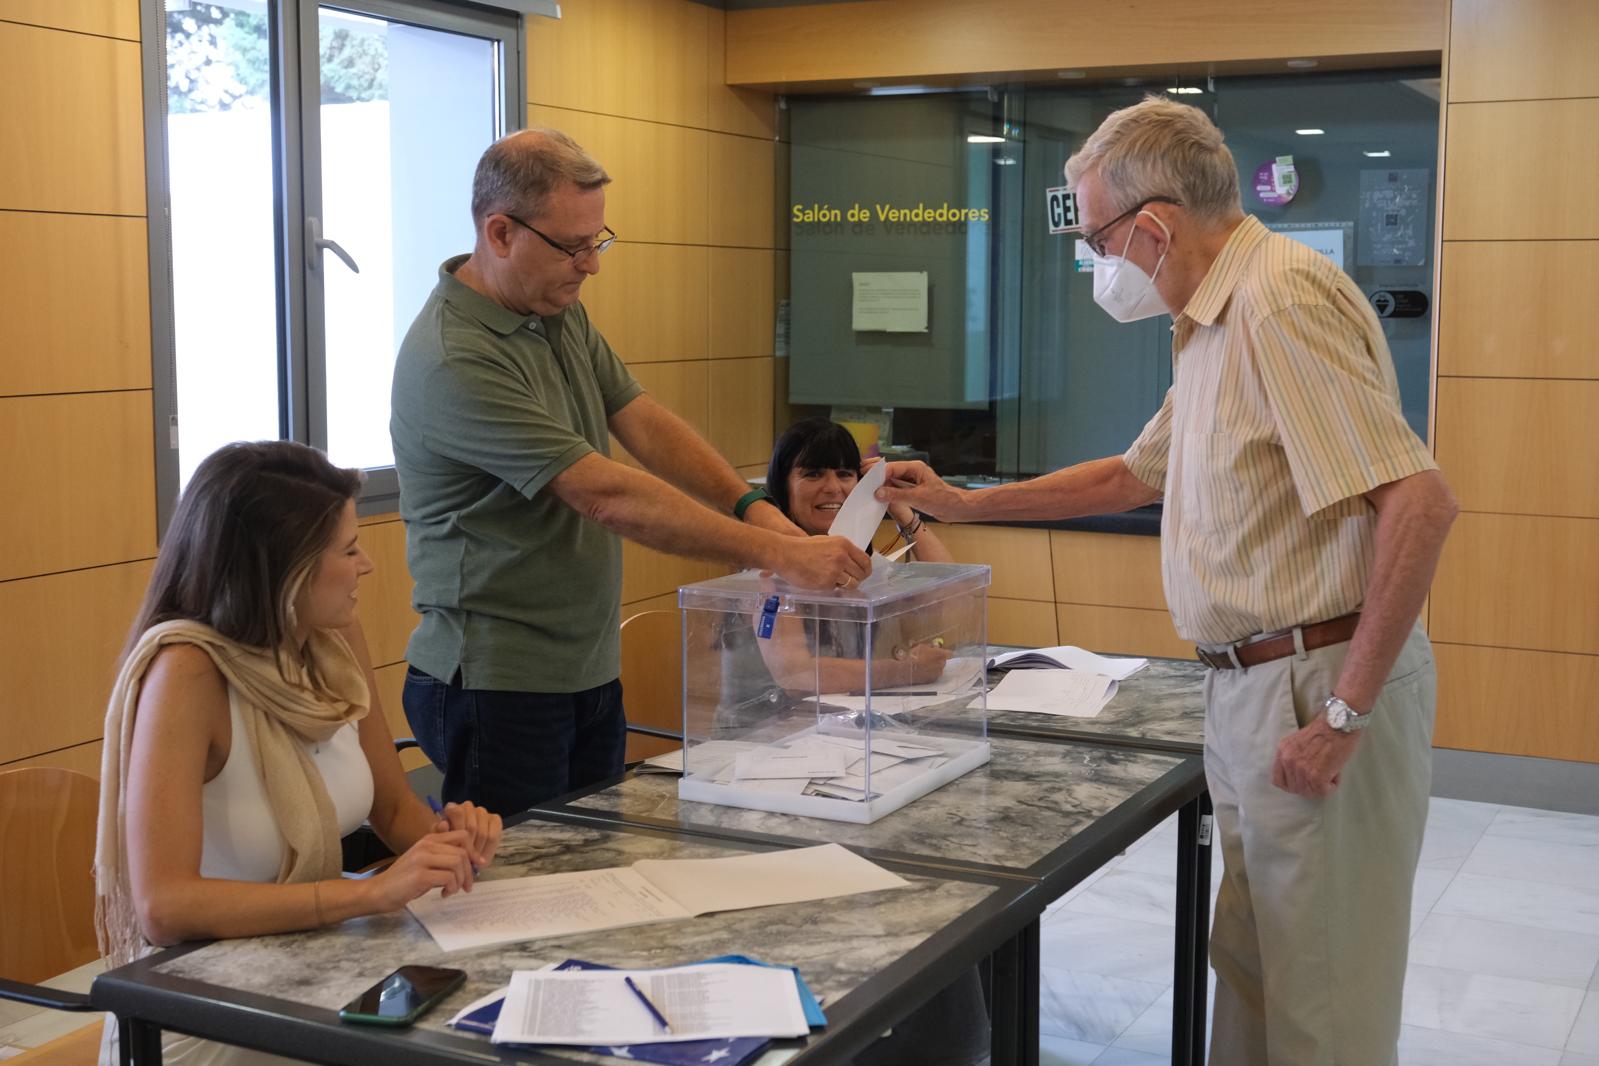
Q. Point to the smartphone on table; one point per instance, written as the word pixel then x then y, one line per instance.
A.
pixel 403 996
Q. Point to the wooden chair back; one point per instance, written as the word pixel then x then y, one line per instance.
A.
pixel 47 827
pixel 652 679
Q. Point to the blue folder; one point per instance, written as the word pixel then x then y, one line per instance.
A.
pixel 732 1052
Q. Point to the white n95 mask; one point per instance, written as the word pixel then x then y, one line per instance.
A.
pixel 1123 289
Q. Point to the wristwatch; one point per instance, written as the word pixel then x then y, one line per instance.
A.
pixel 1343 717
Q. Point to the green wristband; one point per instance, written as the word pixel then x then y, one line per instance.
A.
pixel 749 499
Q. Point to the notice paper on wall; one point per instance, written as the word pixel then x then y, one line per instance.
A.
pixel 890 301
pixel 651 890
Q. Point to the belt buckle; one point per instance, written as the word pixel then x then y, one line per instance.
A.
pixel 1215 662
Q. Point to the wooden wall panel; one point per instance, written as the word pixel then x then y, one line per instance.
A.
pixel 681 388
pixel 70 107
pixel 74 303
pixel 391 683
pixel 1521 446
pixel 106 18
pixel 80 758
pixel 1019 558
pixel 77 472
pixel 734 110
pixel 1120 630
pixel 916 39
pixel 1514 702
pixel 1518 309
pixel 59 640
pixel 647 573
pixel 743 302
pixel 1520 171
pixel 1111 569
pixel 1025 623
pixel 741 409
pixel 386 614
pixel 1523 49
pixel 1518 581
pixel 650 301
pixel 745 192
pixel 659 172
pixel 641 58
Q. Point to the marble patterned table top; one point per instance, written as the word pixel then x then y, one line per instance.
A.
pixel 1163 702
pixel 837 944
pixel 1030 799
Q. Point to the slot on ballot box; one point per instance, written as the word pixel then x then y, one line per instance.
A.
pixel 844 703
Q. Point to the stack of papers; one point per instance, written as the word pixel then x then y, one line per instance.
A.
pixel 816 764
pixel 1068 658
pixel 1060 692
pixel 651 890
pixel 682 1045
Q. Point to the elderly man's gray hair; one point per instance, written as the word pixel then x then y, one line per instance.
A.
pixel 1161 148
pixel 519 171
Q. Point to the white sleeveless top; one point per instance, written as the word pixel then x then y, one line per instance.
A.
pixel 241 843
pixel 241 838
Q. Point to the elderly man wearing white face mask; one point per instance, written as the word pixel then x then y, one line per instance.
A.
pixel 1301 524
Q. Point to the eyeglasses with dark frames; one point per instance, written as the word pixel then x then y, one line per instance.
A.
pixel 1096 239
pixel 597 248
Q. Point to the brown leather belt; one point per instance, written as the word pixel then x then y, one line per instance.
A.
pixel 1319 635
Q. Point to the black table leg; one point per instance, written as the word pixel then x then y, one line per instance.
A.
pixel 139 1042
pixel 1191 977
pixel 1013 985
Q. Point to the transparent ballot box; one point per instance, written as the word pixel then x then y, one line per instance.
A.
pixel 844 703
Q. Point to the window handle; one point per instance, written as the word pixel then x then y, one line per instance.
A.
pixel 315 243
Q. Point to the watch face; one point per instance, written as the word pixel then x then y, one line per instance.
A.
pixel 1337 714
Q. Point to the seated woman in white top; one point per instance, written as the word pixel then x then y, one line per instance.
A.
pixel 243 739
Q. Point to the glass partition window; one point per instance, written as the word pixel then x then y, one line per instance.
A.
pixel 1017 371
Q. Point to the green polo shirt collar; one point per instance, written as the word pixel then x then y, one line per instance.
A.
pixel 494 317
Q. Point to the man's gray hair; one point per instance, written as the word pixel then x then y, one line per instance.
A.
pixel 1161 148
pixel 519 171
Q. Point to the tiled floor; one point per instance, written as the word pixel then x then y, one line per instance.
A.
pixel 1504 951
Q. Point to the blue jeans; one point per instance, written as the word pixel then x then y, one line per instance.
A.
pixel 507 751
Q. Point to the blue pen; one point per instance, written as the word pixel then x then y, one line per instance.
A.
pixel 666 1026
pixel 438 809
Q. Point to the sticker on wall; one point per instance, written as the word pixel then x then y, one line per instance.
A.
pixel 1393 217
pixel 1062 208
pixel 1085 258
pixel 1276 181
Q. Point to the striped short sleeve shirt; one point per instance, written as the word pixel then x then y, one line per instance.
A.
pixel 1283 412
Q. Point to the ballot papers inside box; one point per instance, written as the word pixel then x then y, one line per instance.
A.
pixel 844 703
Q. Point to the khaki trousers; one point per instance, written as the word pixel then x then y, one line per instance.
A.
pixel 1312 927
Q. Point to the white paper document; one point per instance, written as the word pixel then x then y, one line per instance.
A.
pixel 789 762
pixel 894 301
pixel 596 1007
pixel 862 512
pixel 651 890
pixel 1061 692
pixel 1069 658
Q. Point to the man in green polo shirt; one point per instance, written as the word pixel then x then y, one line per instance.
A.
pixel 505 399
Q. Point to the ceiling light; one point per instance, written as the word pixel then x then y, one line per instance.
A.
pixel 1004 161
pixel 983 138
pixel 1310 132
pixel 1301 64
pixel 1184 90
pixel 1383 154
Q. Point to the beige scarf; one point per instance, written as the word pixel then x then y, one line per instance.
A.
pixel 280 717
